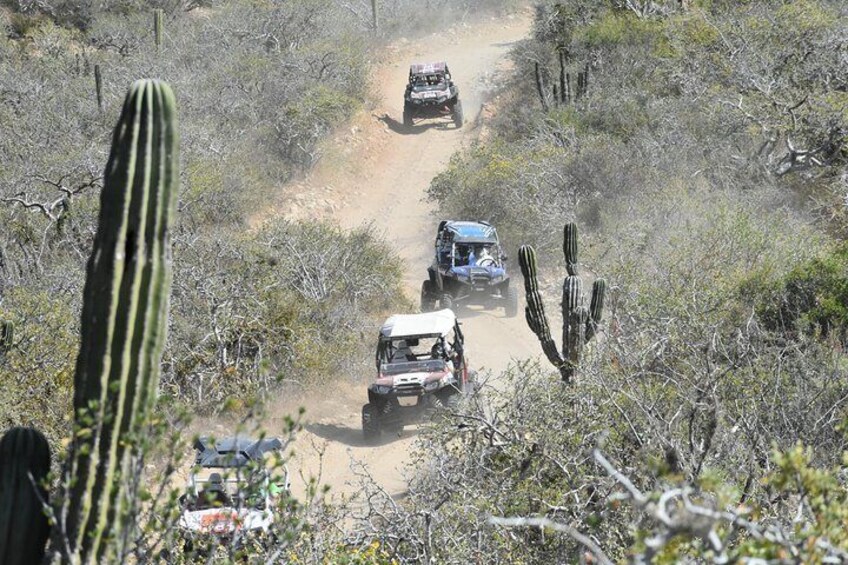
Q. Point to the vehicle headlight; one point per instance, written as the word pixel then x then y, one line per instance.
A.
pixel 461 275
pixel 431 386
pixel 497 278
pixel 382 389
pixel 442 99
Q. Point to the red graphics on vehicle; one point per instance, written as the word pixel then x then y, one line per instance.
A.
pixel 222 522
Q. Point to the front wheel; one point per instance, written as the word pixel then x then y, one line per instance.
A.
pixel 511 307
pixel 370 422
pixel 458 118
pixel 407 116
pixel 428 296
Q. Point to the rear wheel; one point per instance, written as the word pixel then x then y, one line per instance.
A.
pixel 407 116
pixel 457 114
pixel 370 422
pixel 428 296
pixel 446 301
pixel 511 307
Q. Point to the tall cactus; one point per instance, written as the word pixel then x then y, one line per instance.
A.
pixel 158 27
pixel 24 464
pixel 125 306
pixel 375 15
pixel 579 324
pixel 98 87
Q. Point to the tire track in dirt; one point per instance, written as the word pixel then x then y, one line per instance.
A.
pixel 376 172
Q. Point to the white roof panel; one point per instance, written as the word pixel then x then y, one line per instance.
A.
pixel 430 323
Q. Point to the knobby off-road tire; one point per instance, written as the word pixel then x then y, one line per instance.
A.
pixel 445 401
pixel 370 422
pixel 407 116
pixel 511 306
pixel 458 118
pixel 428 296
pixel 453 400
pixel 391 422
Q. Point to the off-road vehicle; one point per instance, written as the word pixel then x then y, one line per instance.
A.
pixel 231 492
pixel 431 93
pixel 468 268
pixel 421 367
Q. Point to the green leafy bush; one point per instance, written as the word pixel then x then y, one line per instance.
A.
pixel 812 298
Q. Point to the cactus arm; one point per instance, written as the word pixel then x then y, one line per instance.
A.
pixel 24 528
pixel 596 308
pixel 569 248
pixel 124 312
pixel 573 321
pixel 534 311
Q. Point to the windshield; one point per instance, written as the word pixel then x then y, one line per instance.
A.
pixel 476 255
pixel 217 489
pixel 428 81
pixel 411 349
pixel 400 367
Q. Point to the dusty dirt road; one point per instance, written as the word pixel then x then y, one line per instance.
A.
pixel 377 172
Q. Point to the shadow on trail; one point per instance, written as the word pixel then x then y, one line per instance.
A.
pixel 465 312
pixel 398 127
pixel 353 436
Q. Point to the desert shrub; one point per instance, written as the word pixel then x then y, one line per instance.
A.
pixel 36 372
pixel 811 298
pixel 251 115
pixel 685 390
pixel 722 351
pixel 290 305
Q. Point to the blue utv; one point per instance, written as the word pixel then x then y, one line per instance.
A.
pixel 469 268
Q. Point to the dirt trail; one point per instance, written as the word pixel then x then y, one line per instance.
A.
pixel 375 172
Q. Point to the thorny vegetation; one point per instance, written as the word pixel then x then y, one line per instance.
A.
pixel 705 153
pixel 259 84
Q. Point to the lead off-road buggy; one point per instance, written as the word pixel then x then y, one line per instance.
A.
pixel 231 493
pixel 469 267
pixel 421 367
pixel 431 93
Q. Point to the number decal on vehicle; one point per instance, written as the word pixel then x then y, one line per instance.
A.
pixel 219 523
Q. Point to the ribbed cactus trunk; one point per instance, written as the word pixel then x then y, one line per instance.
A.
pixel 125 305
pixel 375 15
pixel 579 324
pixel 24 464
pixel 7 336
pixel 98 87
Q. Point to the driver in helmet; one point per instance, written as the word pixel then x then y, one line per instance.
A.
pixel 485 259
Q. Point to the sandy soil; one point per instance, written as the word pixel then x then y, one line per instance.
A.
pixel 376 172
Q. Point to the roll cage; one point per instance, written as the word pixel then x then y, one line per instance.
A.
pixel 400 344
pixel 458 242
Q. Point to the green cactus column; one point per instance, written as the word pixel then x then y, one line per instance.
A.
pixel 579 324
pixel 158 26
pixel 125 306
pixel 7 337
pixel 24 464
